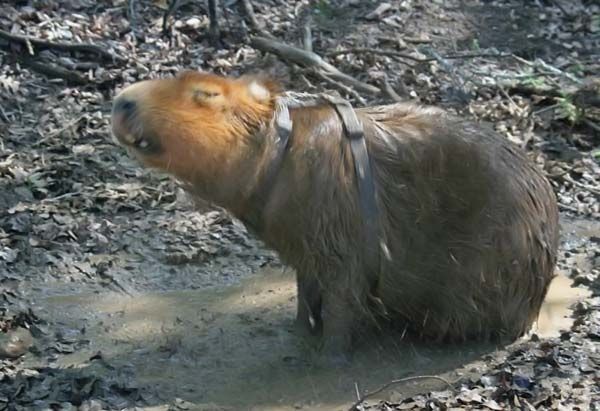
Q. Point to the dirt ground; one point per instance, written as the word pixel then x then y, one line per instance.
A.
pixel 117 291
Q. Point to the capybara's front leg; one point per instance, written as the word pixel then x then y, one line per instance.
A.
pixel 309 305
pixel 338 321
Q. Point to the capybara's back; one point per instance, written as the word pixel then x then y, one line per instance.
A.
pixel 468 226
pixel 471 226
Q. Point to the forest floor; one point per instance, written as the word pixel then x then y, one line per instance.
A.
pixel 117 292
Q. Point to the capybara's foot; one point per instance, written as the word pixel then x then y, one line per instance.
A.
pixel 303 327
pixel 336 352
pixel 308 315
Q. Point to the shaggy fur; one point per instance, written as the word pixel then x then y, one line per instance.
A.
pixel 469 225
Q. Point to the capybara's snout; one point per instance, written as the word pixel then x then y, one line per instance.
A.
pixel 128 125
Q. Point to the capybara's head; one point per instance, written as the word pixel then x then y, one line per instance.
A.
pixel 193 124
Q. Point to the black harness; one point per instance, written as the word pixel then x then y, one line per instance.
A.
pixel 354 132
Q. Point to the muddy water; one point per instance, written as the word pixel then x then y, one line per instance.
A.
pixel 233 347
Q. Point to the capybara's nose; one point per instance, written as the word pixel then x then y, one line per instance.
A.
pixel 123 115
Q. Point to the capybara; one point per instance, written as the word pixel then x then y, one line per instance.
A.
pixel 468 226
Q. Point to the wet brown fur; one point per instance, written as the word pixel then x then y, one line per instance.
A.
pixel 469 225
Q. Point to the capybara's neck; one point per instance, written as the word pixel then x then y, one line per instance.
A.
pixel 234 172
pixel 275 197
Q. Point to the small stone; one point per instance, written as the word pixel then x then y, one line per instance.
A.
pixel 15 343
pixel 193 22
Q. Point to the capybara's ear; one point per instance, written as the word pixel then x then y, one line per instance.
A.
pixel 208 94
pixel 259 88
pixel 258 91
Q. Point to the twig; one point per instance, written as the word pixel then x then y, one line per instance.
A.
pixel 392 53
pixel 4 116
pixel 560 174
pixel 30 42
pixel 173 6
pixel 590 189
pixel 54 71
pixel 591 124
pixel 307 40
pixel 341 86
pixel 562 8
pixel 214 32
pixel 251 19
pixel 476 55
pixel 60 197
pixel 55 133
pixel 387 89
pixel 310 60
pixel 416 40
pixel 356 390
pixel 131 15
pixel 549 67
pixel 564 207
pixel 399 381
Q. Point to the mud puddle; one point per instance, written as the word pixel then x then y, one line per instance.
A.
pixel 233 347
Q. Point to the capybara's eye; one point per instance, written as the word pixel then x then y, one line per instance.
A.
pixel 204 95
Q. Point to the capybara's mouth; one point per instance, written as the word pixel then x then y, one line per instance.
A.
pixel 127 129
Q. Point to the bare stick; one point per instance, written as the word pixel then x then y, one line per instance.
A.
pixel 590 189
pixel 131 15
pixel 173 6
pixel 307 39
pixel 251 19
pixel 387 89
pixel 392 53
pixel 214 32
pixel 591 124
pixel 541 63
pixel 399 381
pixel 30 42
pixel 55 133
pixel 310 60
pixel 562 9
pixel 53 71
pixel 343 87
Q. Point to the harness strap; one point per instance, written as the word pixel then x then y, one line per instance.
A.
pixel 283 127
pixel 364 175
pixel 354 132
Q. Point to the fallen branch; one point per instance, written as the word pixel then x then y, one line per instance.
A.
pixel 310 60
pixel 251 19
pixel 53 71
pixel 387 89
pixel 30 42
pixel 399 54
pixel 172 8
pixel 51 135
pixel 399 381
pixel 588 188
pixel 541 63
pixel 591 124
pixel 131 15
pixel 69 76
pixel 562 9
pixel 342 87
pixel 391 53
pixel 307 35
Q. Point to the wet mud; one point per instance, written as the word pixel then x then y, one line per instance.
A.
pixel 233 346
